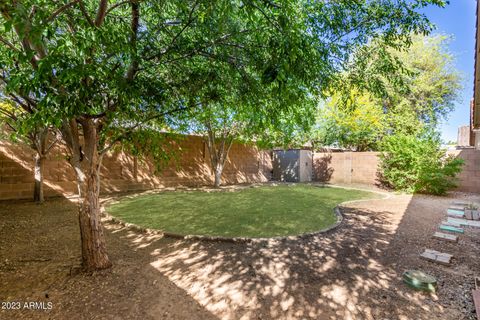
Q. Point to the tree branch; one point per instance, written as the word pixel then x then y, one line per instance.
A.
pixel 52 144
pixel 11 127
pixel 229 146
pixel 23 105
pixel 61 9
pixel 272 22
pixel 211 144
pixel 85 14
pixel 133 68
pixel 116 5
pixel 131 129
pixel 101 13
pixel 177 35
pixel 189 22
pixel 7 114
pixel 9 44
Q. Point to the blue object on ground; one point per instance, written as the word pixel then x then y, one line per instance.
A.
pixel 451 229
pixel 455 212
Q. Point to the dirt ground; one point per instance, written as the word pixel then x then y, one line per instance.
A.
pixel 352 272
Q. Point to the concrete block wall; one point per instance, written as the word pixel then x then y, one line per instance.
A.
pixel 469 178
pixel 362 168
pixel 346 167
pixel 189 166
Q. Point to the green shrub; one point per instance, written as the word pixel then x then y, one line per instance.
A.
pixel 418 164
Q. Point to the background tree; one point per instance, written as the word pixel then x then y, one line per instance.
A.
pixel 419 93
pixel 219 91
pixel 219 124
pixel 99 70
pixel 355 122
pixel 40 139
pixel 433 85
pixel 236 103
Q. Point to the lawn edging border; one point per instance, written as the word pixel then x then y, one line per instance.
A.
pixel 337 211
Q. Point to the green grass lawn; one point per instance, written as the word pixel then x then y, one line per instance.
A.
pixel 251 212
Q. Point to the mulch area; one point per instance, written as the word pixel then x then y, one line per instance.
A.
pixel 352 272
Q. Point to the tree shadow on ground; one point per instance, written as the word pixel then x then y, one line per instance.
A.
pixel 353 272
pixel 40 261
pixel 336 275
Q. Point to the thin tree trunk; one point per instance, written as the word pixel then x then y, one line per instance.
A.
pixel 86 162
pixel 218 175
pixel 218 153
pixel 38 172
pixel 39 140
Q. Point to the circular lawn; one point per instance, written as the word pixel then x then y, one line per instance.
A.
pixel 266 211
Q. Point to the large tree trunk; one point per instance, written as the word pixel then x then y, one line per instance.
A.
pixel 94 249
pixel 38 173
pixel 86 162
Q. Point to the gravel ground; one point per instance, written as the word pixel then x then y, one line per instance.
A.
pixel 352 272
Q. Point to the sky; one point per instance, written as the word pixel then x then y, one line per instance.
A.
pixel 458 20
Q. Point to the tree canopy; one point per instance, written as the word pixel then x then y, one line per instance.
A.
pixel 355 122
pixel 419 94
pixel 433 85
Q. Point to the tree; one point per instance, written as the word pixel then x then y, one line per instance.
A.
pixel 220 93
pixel 77 69
pixel 99 70
pixel 354 122
pixel 433 85
pixel 240 106
pixel 419 93
pixel 39 139
pixel 220 125
pixel 425 88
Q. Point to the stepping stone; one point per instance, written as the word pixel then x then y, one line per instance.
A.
pixel 445 236
pixel 451 229
pixel 436 256
pixel 460 203
pixel 451 223
pixel 464 222
pixel 455 213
